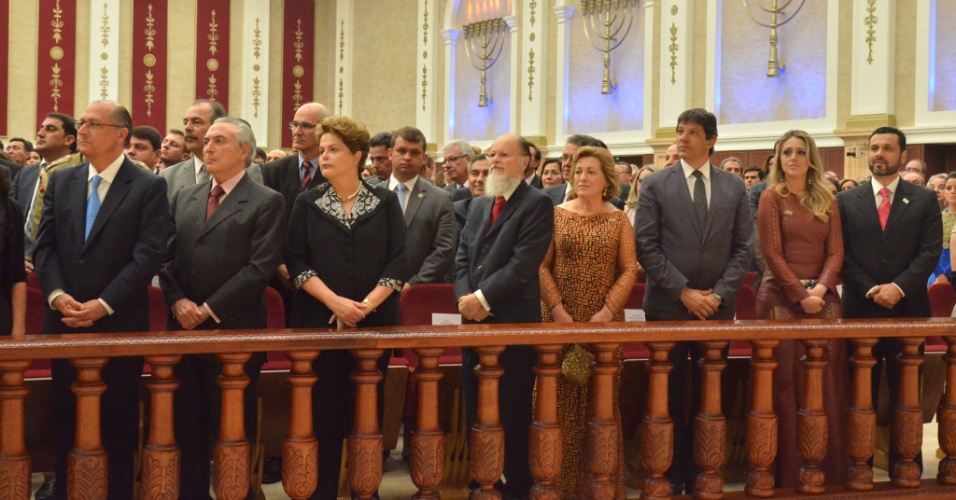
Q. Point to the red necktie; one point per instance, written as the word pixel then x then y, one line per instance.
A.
pixel 884 210
pixel 213 202
pixel 499 204
pixel 307 177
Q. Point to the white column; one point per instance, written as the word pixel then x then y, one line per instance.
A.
pixel 426 109
pixel 563 13
pixel 450 37
pixel 649 11
pixel 104 49
pixel 514 70
pixel 255 67
pixel 532 72
pixel 343 57
pixel 676 58
pixel 873 81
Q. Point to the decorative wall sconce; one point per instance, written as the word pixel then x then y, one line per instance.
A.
pixel 773 65
pixel 483 43
pixel 603 21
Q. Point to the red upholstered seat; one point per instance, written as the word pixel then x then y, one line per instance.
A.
pixel 417 306
pixel 942 298
pixel 746 303
pixel 635 350
pixel 275 309
pixel 33 281
pixel 158 313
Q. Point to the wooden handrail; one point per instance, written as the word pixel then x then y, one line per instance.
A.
pixel 162 350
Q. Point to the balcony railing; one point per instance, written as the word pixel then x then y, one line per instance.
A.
pixel 89 353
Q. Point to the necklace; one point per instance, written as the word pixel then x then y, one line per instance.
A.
pixel 349 197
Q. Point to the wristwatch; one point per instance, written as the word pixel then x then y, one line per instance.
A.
pixel 719 300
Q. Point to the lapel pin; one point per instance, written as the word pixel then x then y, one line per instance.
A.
pixel 421 196
pixel 787 212
pixel 906 200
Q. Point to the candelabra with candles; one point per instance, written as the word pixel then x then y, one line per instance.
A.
pixel 483 43
pixel 603 22
pixel 775 10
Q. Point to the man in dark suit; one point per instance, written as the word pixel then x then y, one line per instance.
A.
pixel 531 175
pixel 199 117
pixel 506 237
pixel 429 215
pixel 892 237
pixel 456 154
pixel 225 243
pixel 477 175
pixel 693 231
pixel 101 240
pixel 378 155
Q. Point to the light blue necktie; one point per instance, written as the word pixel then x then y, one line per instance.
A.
pixel 401 188
pixel 92 204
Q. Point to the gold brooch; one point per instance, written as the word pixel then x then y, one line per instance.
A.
pixel 787 212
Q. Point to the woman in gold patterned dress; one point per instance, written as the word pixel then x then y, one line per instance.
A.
pixel 587 275
pixel 802 242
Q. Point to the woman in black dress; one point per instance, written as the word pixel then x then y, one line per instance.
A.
pixel 13 280
pixel 345 251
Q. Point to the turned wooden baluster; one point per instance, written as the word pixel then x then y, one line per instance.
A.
pixel 428 440
pixel 487 435
pixel 545 430
pixel 365 440
pixel 300 451
pixel 947 418
pixel 231 451
pixel 161 463
pixel 812 429
pixel 657 434
pixel 861 420
pixel 710 430
pixel 88 459
pixel 604 431
pixel 907 435
pixel 762 421
pixel 14 460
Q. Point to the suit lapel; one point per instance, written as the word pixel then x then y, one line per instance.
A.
pixel 233 204
pixel 78 201
pixel 117 192
pixel 415 200
pixel 188 173
pixel 901 202
pixel 866 204
pixel 716 191
pixel 510 207
pixel 683 196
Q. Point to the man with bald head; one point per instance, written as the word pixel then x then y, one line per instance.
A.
pixel 102 238
pixel 505 238
pixel 275 154
pixel 199 117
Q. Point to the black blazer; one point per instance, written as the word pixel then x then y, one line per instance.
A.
pixel 11 259
pixel 502 259
pixel 122 254
pixel 282 175
pixel 349 261
pixel 225 261
pixel 905 253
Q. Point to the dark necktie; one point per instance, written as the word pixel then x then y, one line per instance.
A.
pixel 499 204
pixel 213 202
pixel 700 203
pixel 306 175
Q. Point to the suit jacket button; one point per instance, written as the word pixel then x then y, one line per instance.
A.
pixel 479 268
pixel 82 261
pixel 195 271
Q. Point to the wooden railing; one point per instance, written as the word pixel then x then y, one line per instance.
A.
pixel 89 353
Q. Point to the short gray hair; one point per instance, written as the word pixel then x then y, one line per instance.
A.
pixel 246 135
pixel 464 146
pixel 732 159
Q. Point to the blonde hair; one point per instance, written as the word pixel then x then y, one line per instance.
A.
pixel 817 198
pixel 604 157
pixel 632 196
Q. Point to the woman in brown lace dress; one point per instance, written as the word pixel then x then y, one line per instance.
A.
pixel 799 226
pixel 587 275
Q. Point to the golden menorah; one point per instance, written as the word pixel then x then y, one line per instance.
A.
pixel 604 20
pixel 483 43
pixel 775 10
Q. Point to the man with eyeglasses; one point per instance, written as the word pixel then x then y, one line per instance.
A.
pixel 199 117
pixel 561 192
pixel 102 238
pixel 457 153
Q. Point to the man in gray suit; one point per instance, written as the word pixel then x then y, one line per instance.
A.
pixel 199 117
pixel 693 231
pixel 429 214
pixel 225 244
pixel 456 154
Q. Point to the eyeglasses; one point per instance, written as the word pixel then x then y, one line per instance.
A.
pixel 95 126
pixel 456 158
pixel 304 125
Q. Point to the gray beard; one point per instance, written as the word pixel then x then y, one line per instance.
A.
pixel 497 185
